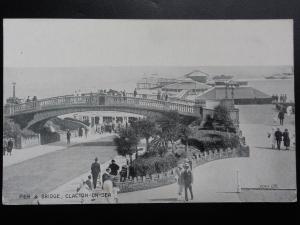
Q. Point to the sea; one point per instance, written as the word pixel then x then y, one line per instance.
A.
pixel 275 86
pixel 57 81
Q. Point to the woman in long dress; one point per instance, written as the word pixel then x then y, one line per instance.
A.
pixel 286 139
pixel 272 138
pixel 107 185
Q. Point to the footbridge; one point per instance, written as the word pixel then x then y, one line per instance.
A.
pixel 29 113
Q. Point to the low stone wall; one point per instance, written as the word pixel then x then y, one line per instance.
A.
pixel 25 142
pixel 157 180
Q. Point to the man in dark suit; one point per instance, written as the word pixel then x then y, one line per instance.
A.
pixel 187 178
pixel 114 168
pixel 95 170
pixel 281 116
pixel 278 137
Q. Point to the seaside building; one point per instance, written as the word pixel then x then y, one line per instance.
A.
pixel 106 119
pixel 240 94
pixel 198 76
pixel 154 82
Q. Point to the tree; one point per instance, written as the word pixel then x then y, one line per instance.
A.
pixel 170 125
pixel 10 129
pixel 222 116
pixel 145 128
pixel 126 142
pixel 159 145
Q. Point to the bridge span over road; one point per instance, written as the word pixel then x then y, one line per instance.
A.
pixel 30 113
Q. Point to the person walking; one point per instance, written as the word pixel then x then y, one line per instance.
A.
pixel 95 171
pixel 86 132
pixel 68 137
pixel 4 145
pixel 278 136
pixel 135 93
pixel 107 185
pixel 123 173
pixel 10 145
pixel 89 182
pixel 114 168
pixel 166 97
pixel 286 139
pixel 271 136
pixel 187 178
pixel 178 172
pixel 281 116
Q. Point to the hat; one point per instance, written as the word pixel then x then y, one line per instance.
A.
pixel 113 161
pixel 186 165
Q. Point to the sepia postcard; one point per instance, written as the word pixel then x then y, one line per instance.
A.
pixel 99 111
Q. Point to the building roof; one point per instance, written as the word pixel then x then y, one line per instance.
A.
pixel 196 73
pixel 187 85
pixel 218 93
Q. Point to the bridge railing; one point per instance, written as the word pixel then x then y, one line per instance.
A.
pixel 99 99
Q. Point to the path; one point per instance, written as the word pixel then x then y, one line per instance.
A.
pixel 20 155
pixel 216 181
pixel 44 173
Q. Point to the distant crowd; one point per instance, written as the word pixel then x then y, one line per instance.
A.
pixel 282 98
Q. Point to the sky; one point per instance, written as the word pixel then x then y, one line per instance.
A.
pixel 48 57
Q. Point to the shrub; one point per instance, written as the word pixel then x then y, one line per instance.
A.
pixel 154 164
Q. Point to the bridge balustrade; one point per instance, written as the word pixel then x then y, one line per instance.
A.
pixel 94 99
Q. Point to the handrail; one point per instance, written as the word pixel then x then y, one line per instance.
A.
pixel 94 99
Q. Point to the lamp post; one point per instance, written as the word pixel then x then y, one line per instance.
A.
pixel 14 90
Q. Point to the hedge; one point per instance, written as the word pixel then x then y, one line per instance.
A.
pixel 154 164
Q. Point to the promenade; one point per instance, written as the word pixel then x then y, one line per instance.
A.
pixel 216 181
pixel 44 172
pixel 20 155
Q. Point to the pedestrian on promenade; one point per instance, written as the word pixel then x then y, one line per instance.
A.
pixel 281 116
pixel 10 145
pixel 68 137
pixel 158 95
pixel 107 185
pixel 4 145
pixel 114 168
pixel 284 98
pixel 86 132
pixel 123 173
pixel 276 98
pixel 80 132
pixel 286 139
pixel 28 99
pixel 178 172
pixel 131 174
pixel 124 95
pixel 166 97
pixel 187 178
pixel 271 136
pixel 95 171
pixel 89 182
pixel 289 110
pixel 278 136
pixel 190 163
pixel 135 93
pixel 83 191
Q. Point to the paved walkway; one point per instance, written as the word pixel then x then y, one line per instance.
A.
pixel 20 155
pixel 216 181
pixel 41 174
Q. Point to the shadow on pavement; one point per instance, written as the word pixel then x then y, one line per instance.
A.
pixel 94 143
